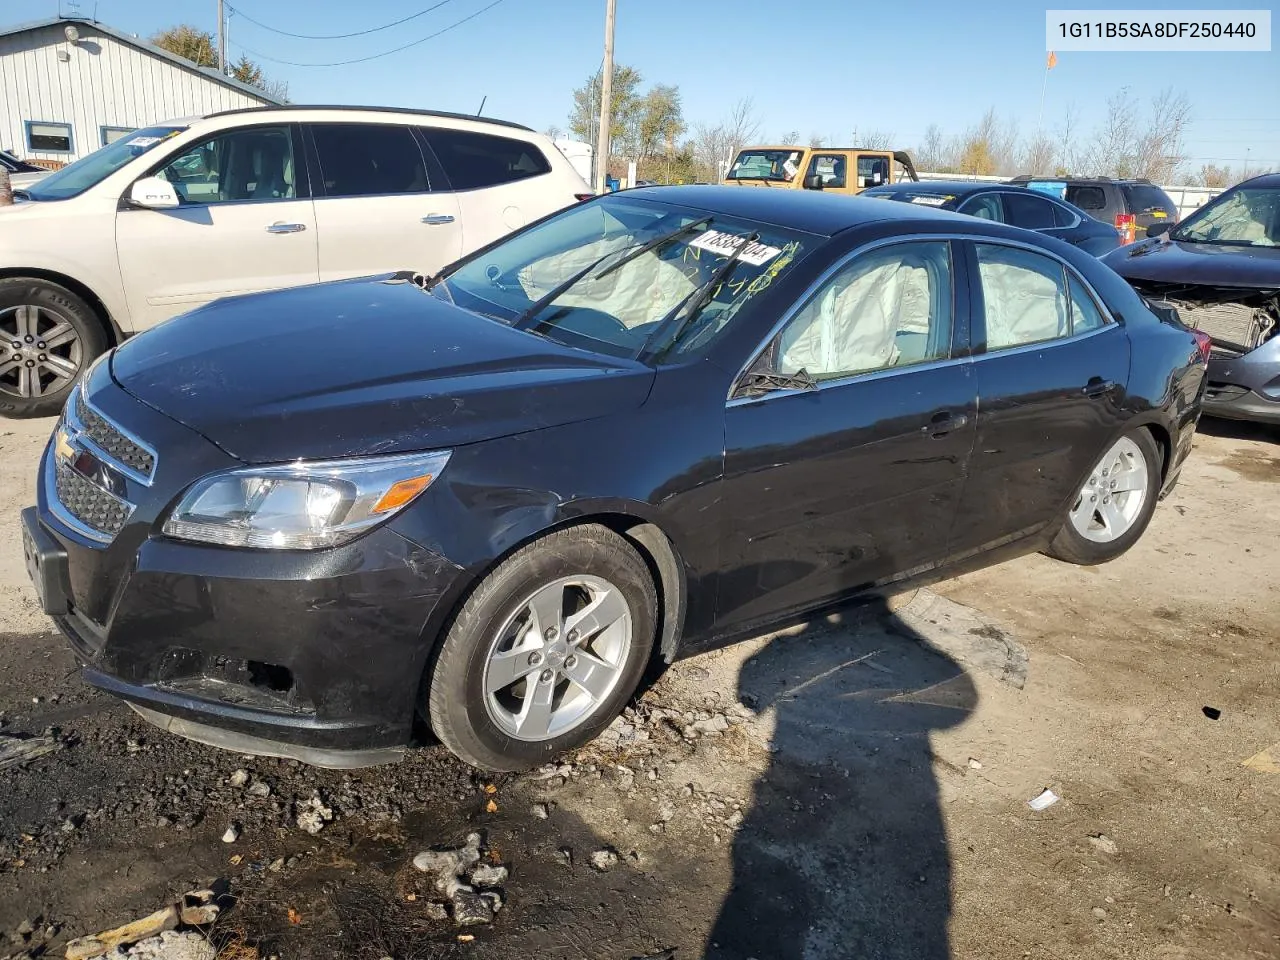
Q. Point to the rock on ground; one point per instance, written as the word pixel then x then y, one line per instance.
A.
pixel 172 945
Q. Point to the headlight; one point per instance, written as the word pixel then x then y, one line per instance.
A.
pixel 302 506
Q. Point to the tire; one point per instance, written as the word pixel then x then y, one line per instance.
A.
pixel 35 376
pixel 494 726
pixel 1108 539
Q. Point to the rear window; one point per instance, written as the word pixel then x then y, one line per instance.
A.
pixel 475 160
pixel 1087 198
pixel 1028 210
pixel 366 160
pixel 1144 198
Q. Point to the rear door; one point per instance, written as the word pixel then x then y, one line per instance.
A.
pixel 830 489
pixel 377 209
pixel 873 170
pixel 499 183
pixel 246 224
pixel 1051 369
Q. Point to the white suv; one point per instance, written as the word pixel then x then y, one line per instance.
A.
pixel 182 213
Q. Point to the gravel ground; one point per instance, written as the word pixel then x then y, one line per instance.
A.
pixel 856 787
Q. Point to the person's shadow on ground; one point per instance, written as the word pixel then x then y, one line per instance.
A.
pixel 844 853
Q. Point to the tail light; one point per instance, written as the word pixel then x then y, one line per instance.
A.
pixel 1127 227
pixel 1203 343
pixel 580 197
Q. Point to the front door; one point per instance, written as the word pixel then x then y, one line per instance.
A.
pixel 245 224
pixel 831 168
pixel 376 210
pixel 1051 384
pixel 855 480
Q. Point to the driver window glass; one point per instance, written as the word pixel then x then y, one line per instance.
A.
pixel 251 164
pixel 885 309
pixel 831 168
pixel 986 206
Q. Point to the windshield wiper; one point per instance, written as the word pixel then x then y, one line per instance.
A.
pixel 522 322
pixel 695 301
pixel 654 244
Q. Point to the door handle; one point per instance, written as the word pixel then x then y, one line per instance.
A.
pixel 434 218
pixel 286 228
pixel 943 423
pixel 1097 387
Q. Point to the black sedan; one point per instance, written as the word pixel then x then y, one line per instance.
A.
pixel 1018 206
pixel 1220 270
pixel 284 523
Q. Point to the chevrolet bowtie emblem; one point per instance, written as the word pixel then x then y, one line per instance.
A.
pixel 62 445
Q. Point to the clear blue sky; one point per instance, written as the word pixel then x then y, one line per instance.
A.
pixel 830 66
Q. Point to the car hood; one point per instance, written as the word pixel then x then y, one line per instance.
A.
pixel 1187 264
pixel 362 367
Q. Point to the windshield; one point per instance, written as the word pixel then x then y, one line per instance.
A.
pixel 1245 216
pixel 642 262
pixel 780 165
pixel 76 178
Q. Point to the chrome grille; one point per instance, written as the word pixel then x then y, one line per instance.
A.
pixel 111 441
pixel 88 503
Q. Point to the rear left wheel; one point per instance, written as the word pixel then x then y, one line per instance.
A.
pixel 546 651
pixel 1115 503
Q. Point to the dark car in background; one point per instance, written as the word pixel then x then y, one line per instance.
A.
pixel 1136 204
pixel 1003 204
pixel 1220 270
pixel 662 419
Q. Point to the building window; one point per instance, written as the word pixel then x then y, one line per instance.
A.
pixel 45 137
pixel 112 134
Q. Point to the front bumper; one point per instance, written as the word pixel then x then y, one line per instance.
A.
pixel 316 655
pixel 1246 387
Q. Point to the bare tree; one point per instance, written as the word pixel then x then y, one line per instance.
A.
pixel 553 132
pixel 742 126
pixel 1040 155
pixel 711 149
pixel 1159 148
pixel 876 140
pixel 790 138
pixel 929 154
pixel 817 139
pixel 1112 151
pixel 1213 176
pixel 1069 160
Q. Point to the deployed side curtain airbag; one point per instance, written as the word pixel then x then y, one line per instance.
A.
pixel 1024 297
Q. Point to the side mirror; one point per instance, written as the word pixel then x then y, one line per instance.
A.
pixel 154 194
pixel 1160 229
pixel 813 182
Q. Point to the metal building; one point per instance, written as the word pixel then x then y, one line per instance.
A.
pixel 69 86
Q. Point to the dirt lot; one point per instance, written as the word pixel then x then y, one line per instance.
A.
pixel 853 789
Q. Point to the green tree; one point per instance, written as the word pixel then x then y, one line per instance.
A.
pixel 189 42
pixel 659 122
pixel 200 47
pixel 623 108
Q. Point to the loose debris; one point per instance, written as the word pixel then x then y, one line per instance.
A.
pixel 1265 761
pixel 16 750
pixel 605 859
pixel 313 814
pixel 1213 713
pixel 1045 800
pixel 231 834
pixel 1105 844
pixel 153 934
pixel 449 867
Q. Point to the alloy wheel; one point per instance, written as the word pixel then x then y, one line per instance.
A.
pixel 40 351
pixel 557 658
pixel 1113 496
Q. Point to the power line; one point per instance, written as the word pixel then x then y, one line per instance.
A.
pixel 376 56
pixel 338 36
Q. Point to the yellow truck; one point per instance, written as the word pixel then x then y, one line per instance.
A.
pixel 846 170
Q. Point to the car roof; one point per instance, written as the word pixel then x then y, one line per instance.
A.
pixel 809 210
pixel 956 188
pixel 439 114
pixel 1262 180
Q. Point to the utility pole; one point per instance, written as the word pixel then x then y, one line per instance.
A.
pixel 222 38
pixel 606 98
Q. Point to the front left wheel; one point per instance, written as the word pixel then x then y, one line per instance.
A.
pixel 546 651
pixel 48 338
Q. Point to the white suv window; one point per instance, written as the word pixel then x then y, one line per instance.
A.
pixel 253 163
pixel 369 159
